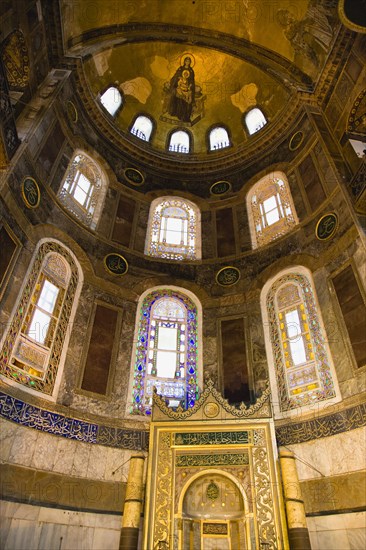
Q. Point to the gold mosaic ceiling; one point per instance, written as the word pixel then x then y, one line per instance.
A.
pixel 244 53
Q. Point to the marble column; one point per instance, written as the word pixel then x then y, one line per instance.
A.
pixel 133 504
pixel 298 533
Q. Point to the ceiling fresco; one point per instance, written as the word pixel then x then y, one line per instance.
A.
pixel 154 75
pixel 302 31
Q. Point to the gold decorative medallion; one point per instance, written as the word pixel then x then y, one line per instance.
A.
pixel 211 410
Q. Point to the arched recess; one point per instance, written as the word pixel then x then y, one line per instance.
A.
pixel 34 348
pixel 167 350
pixel 300 364
pixel 213 509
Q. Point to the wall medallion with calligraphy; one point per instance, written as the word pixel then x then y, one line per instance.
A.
pixel 327 226
pixel 30 192
pixel 220 188
pixel 211 410
pixel 212 491
pixel 295 141
pixel 134 177
pixel 228 276
pixel 116 264
pixel 72 112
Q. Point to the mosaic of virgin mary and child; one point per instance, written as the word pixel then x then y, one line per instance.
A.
pixel 183 96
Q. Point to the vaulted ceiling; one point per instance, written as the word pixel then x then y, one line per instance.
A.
pixel 243 54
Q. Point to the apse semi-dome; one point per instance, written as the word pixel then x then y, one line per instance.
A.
pixel 184 88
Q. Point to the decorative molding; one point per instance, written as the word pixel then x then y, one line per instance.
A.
pixel 264 499
pixel 24 414
pixel 323 426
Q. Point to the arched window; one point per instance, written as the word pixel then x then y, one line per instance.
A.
pixel 166 354
pixel 179 142
pixel 32 349
pixel 270 208
pixel 142 128
pixel 255 120
pixel 174 231
pixel 111 100
pixel 296 343
pixel 83 189
pixel 219 138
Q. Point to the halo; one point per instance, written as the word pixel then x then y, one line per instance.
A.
pixel 191 57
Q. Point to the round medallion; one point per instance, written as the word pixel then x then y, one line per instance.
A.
pixel 220 188
pixel 134 176
pixel 30 192
pixel 72 112
pixel 327 226
pixel 295 141
pixel 228 276
pixel 211 410
pixel 116 264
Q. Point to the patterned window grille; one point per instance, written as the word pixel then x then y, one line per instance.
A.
pixel 179 142
pixel 219 139
pixel 142 128
pixel 271 209
pixel 111 100
pixel 32 348
pixel 301 361
pixel 81 191
pixel 166 352
pixel 255 120
pixel 172 230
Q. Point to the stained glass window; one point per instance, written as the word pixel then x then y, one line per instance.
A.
pixel 255 120
pixel 219 138
pixel 173 230
pixel 111 100
pixel 179 142
pixel 142 128
pixel 166 351
pixel 271 209
pixel 32 350
pixel 301 359
pixel 83 190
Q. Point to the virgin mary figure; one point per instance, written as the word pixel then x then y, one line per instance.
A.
pixel 182 90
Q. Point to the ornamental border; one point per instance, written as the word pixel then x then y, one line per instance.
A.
pixel 30 416
pixel 323 426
